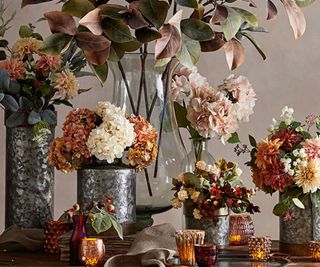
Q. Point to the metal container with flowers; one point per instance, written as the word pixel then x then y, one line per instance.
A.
pixel 288 162
pixel 208 194
pixel 31 85
pixel 106 147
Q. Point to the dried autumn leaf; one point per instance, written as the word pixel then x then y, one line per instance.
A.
pixel 272 10
pixel 60 22
pixel 234 53
pixel 97 57
pixel 136 20
pixel 296 17
pixel 32 2
pixel 220 15
pixel 168 45
pixel 176 20
pixel 92 21
pixel 214 44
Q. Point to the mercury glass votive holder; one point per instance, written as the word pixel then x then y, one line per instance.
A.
pixel 259 248
pixel 240 229
pixel 186 240
pixel 92 252
pixel 314 247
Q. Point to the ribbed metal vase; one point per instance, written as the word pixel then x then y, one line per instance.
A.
pixel 29 180
pixel 117 182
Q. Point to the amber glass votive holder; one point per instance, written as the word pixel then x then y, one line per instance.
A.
pixel 259 248
pixel 52 231
pixel 186 240
pixel 206 255
pixel 314 247
pixel 92 252
pixel 240 229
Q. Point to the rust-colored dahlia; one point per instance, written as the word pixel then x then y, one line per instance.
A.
pixel 276 178
pixel 60 157
pixel 15 68
pixel 288 137
pixel 66 83
pixel 257 178
pixel 144 149
pixel 25 46
pixel 267 153
pixel 47 63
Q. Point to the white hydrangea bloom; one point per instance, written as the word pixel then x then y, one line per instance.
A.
pixel 111 138
pixel 106 110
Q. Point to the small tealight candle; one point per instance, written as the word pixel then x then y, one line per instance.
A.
pixel 240 229
pixel 315 250
pixel 92 251
pixel 186 239
pixel 259 248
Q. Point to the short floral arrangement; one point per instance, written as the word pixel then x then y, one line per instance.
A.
pixel 104 134
pixel 32 83
pixel 100 213
pixel 211 190
pixel 288 161
pixel 206 111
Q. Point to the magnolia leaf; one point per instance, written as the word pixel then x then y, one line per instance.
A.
pixel 188 3
pixel 60 22
pixel 16 119
pixel 234 53
pixel 298 203
pixel 97 57
pixel 136 20
pixel 100 71
pixel 189 53
pixel 168 45
pixel 91 42
pixel 92 21
pixel 131 46
pixel 162 62
pixel 296 17
pixel 78 8
pixel 220 14
pixel 33 2
pixel 10 103
pixel 116 30
pixel 55 43
pixel 272 10
pixel 232 24
pixel 255 44
pixel 196 29
pixel 176 20
pixel 234 139
pixel 155 11
pixel 247 16
pixel 304 3
pixel 25 31
pixel 114 11
pixel 34 118
pixel 146 35
pixel 198 13
pixel 49 116
pixel 116 53
pixel 214 44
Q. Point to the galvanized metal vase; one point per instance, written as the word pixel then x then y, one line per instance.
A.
pixel 297 233
pixel 216 232
pixel 118 182
pixel 29 180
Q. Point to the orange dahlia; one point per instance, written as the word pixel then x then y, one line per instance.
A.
pixel 267 153
pixel 288 137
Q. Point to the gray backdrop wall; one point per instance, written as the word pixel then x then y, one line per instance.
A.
pixel 289 76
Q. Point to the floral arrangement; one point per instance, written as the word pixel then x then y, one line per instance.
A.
pixel 116 29
pixel 101 215
pixel 213 189
pixel 206 111
pixel 104 134
pixel 287 161
pixel 32 83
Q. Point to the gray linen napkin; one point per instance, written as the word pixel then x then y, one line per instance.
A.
pixel 15 238
pixel 152 247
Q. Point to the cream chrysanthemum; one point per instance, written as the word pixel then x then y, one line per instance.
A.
pixel 66 83
pixel 309 177
pixel 26 46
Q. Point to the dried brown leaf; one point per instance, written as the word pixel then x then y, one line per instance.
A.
pixel 214 44
pixel 271 10
pixel 168 45
pixel 220 14
pixel 234 53
pixel 97 57
pixel 89 41
pixel 296 17
pixel 92 21
pixel 136 20
pixel 61 22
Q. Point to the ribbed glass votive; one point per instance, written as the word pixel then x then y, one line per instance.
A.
pixel 259 248
pixel 240 229
pixel 315 250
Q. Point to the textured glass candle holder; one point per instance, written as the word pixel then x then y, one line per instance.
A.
pixel 240 229
pixel 315 250
pixel 52 231
pixel 206 255
pixel 259 248
pixel 186 240
pixel 92 251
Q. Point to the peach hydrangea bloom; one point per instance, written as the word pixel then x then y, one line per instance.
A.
pixel 15 68
pixel 25 46
pixel 66 83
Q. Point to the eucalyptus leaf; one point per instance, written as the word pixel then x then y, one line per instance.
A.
pixel 4 79
pixel 34 117
pixel 14 87
pixel 189 53
pixel 55 43
pixel 49 116
pixel 16 119
pixel 196 29
pixel 10 103
pixel 25 103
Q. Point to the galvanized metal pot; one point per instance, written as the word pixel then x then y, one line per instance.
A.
pixel 216 232
pixel 29 180
pixel 297 233
pixel 118 182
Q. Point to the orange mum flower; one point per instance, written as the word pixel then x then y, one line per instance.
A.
pixel 15 68
pixel 48 63
pixel 267 153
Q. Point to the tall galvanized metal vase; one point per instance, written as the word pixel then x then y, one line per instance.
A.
pixel 29 179
pixel 118 182
pixel 298 232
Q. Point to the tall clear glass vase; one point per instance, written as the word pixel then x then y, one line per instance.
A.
pixel 141 88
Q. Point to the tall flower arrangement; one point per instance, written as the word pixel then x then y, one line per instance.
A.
pixel 288 161
pixel 104 134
